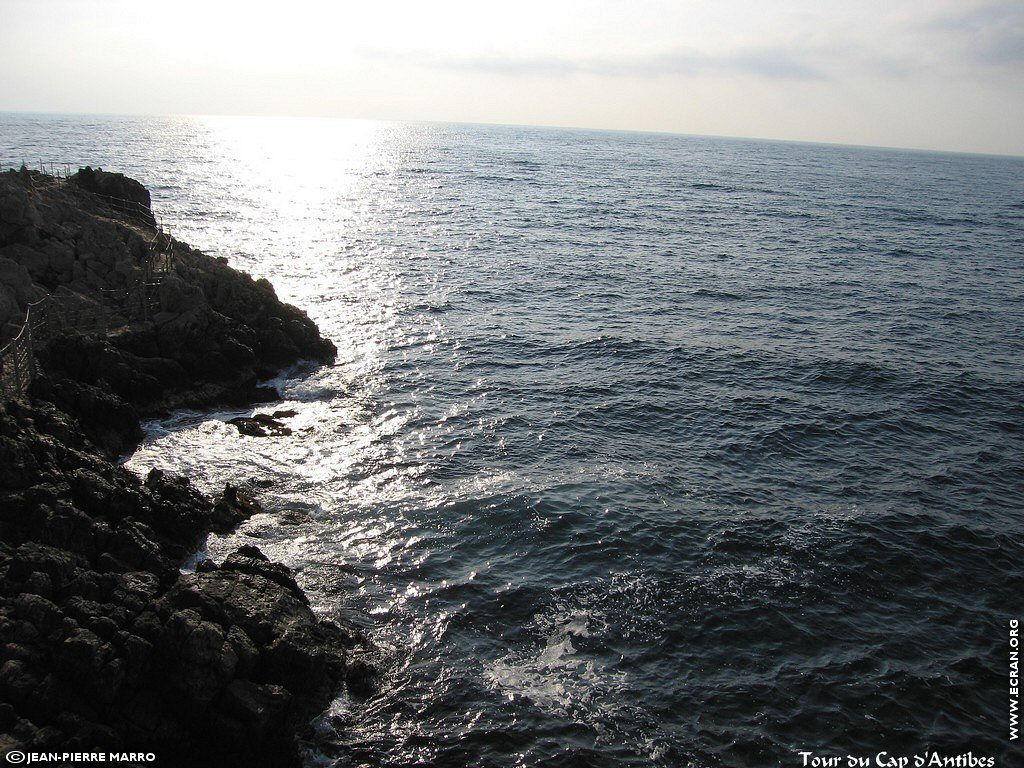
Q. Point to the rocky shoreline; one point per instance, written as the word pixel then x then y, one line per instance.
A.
pixel 104 643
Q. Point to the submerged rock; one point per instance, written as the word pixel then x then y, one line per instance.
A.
pixel 260 425
pixel 232 508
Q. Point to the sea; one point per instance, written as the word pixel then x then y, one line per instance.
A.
pixel 640 449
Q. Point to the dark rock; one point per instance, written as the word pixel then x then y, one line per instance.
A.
pixel 18 684
pixel 108 421
pixel 134 590
pixel 246 651
pixel 260 425
pixel 30 558
pixel 233 507
pixel 256 706
pixel 360 677
pixel 199 660
pixel 123 193
pixel 122 648
pixel 38 584
pixel 38 611
pixel 249 559
pixel 134 544
pixel 214 334
pixel 17 464
pixel 15 275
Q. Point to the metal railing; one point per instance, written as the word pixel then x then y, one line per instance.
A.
pixel 56 170
pixel 51 174
pixel 58 313
pixel 18 362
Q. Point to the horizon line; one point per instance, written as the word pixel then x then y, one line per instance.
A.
pixel 556 127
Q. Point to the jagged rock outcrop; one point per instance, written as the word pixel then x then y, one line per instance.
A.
pixel 104 642
pixel 126 193
pixel 208 332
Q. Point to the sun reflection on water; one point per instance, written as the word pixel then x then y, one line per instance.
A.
pixel 310 205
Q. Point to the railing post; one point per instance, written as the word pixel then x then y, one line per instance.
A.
pixel 17 369
pixel 41 323
pixel 30 363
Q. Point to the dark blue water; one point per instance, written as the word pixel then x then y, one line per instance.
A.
pixel 640 449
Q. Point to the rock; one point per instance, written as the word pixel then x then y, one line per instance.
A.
pixel 249 559
pixel 97 363
pixel 123 193
pixel 109 422
pixel 233 507
pixel 11 316
pixel 34 262
pixel 246 651
pixel 256 706
pixel 31 558
pixel 260 425
pixel 14 272
pixel 214 334
pixel 360 677
pixel 17 464
pixel 17 683
pixel 135 588
pixel 123 648
pixel 200 660
pixel 38 611
pixel 20 220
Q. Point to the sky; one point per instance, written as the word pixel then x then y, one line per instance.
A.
pixel 928 74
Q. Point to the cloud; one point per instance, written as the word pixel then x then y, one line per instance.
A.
pixel 991 34
pixel 775 64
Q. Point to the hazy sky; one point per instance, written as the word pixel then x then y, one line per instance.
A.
pixel 936 74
